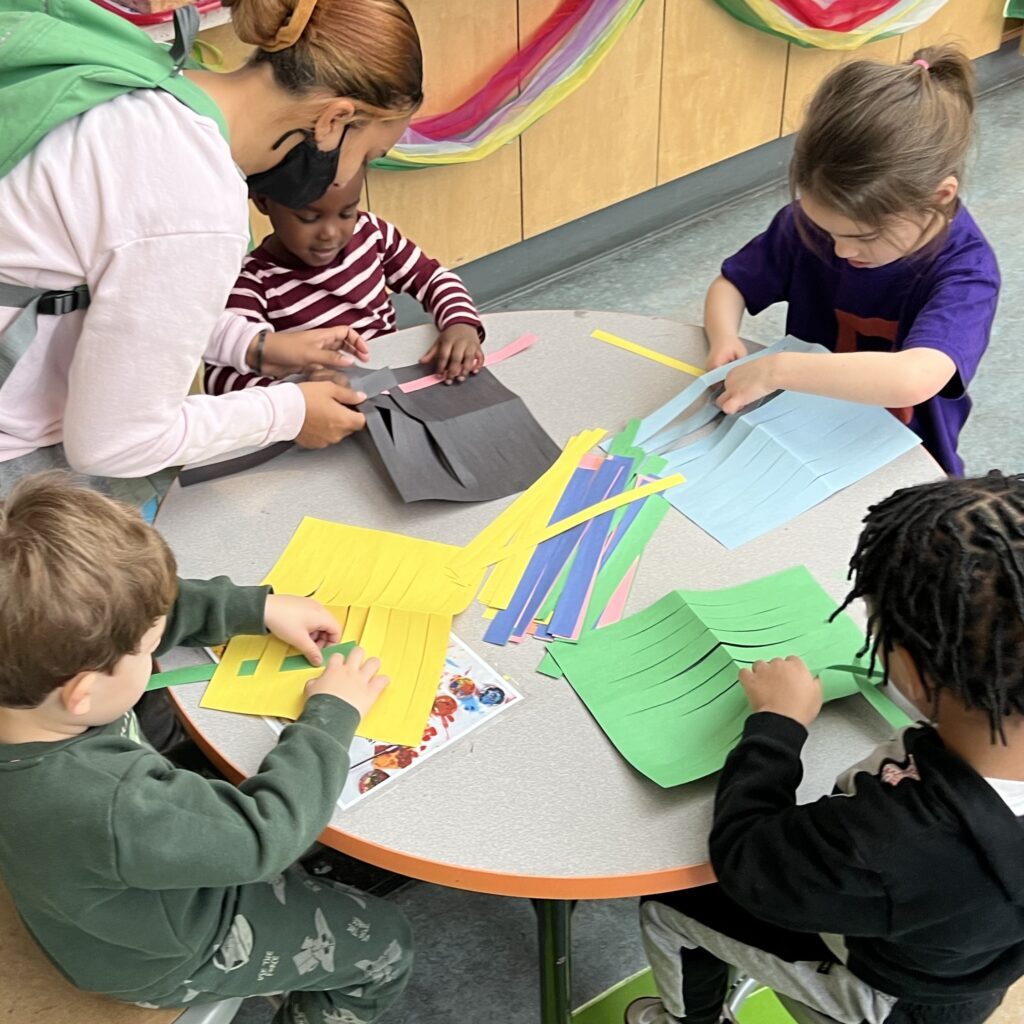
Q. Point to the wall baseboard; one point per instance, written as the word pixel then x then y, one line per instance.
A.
pixel 493 279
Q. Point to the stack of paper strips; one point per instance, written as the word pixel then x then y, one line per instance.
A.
pixel 580 579
pixel 663 684
pixel 757 470
pixel 396 596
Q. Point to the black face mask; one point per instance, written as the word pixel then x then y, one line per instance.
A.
pixel 303 176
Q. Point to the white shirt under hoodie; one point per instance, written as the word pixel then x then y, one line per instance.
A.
pixel 140 199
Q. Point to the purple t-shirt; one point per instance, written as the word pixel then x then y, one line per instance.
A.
pixel 945 299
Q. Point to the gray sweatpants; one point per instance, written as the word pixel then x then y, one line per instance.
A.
pixel 339 955
pixel 695 936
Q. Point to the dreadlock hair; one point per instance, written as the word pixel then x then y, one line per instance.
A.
pixel 941 568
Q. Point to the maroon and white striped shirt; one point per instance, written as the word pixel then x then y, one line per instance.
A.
pixel 352 291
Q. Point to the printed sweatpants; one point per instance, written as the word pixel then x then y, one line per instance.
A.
pixel 696 937
pixel 338 955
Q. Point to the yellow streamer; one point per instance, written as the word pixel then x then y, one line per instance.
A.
pixel 647 353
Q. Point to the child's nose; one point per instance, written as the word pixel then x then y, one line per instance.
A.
pixel 845 249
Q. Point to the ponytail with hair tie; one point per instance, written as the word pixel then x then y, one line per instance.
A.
pixel 365 50
pixel 291 28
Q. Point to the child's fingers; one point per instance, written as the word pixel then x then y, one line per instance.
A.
pixel 431 353
pixel 369 669
pixel 444 355
pixel 377 685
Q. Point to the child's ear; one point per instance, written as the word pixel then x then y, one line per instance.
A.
pixel 904 671
pixel 947 191
pixel 76 693
pixel 260 202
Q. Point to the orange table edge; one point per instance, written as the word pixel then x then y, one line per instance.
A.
pixel 497 883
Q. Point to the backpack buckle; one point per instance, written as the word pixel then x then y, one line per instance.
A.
pixel 57 303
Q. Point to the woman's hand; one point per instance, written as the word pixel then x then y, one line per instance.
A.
pixel 329 417
pixel 783 686
pixel 295 352
pixel 457 353
pixel 301 623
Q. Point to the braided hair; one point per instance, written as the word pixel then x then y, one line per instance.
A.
pixel 941 568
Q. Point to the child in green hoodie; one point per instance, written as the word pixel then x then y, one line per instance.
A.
pixel 138 879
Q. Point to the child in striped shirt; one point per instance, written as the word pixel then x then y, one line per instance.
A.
pixel 331 265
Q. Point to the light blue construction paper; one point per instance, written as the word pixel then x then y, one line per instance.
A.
pixel 650 426
pixel 793 453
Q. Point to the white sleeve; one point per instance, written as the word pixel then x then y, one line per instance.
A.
pixel 138 352
pixel 230 340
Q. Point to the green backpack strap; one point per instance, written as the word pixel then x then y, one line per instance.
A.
pixel 58 59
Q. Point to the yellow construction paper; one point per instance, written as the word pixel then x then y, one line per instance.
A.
pixel 647 353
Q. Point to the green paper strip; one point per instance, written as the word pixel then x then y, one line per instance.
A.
pixel 204 673
pixel 181 676
pixel 876 697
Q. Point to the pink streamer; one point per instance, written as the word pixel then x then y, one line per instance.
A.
pixel 513 348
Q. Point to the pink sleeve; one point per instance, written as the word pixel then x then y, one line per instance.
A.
pixel 128 410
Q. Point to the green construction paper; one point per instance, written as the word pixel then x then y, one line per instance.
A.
pixel 624 441
pixel 203 673
pixel 663 684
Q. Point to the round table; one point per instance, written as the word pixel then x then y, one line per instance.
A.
pixel 537 803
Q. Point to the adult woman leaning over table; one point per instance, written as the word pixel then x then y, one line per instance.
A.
pixel 125 172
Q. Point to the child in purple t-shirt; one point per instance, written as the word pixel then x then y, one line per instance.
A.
pixel 877 258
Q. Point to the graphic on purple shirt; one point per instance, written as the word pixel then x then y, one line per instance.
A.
pixel 945 300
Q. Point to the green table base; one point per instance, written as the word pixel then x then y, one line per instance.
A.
pixel 609 1007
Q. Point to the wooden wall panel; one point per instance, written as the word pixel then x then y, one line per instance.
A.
pixel 600 145
pixel 976 25
pixel 723 85
pixel 807 68
pixel 463 212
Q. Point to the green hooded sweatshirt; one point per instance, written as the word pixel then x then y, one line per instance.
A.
pixel 60 58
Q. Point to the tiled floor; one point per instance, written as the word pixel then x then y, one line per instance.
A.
pixel 476 953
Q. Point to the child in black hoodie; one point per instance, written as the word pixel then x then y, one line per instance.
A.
pixel 900 898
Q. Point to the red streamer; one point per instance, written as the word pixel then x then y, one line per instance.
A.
pixel 507 79
pixel 841 16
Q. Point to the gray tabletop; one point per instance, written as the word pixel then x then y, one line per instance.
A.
pixel 537 802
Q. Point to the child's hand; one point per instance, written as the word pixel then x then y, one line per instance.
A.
pixel 302 623
pixel 784 686
pixel 354 679
pixel 722 352
pixel 457 353
pixel 293 352
pixel 747 384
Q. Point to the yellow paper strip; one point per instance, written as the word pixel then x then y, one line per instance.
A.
pixel 647 353
pixel 531 505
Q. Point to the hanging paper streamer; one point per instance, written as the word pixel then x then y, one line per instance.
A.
pixel 833 24
pixel 564 52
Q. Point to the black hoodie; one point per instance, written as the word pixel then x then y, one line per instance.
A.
pixel 915 860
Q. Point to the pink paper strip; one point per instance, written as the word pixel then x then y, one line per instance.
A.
pixel 513 348
pixel 616 607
